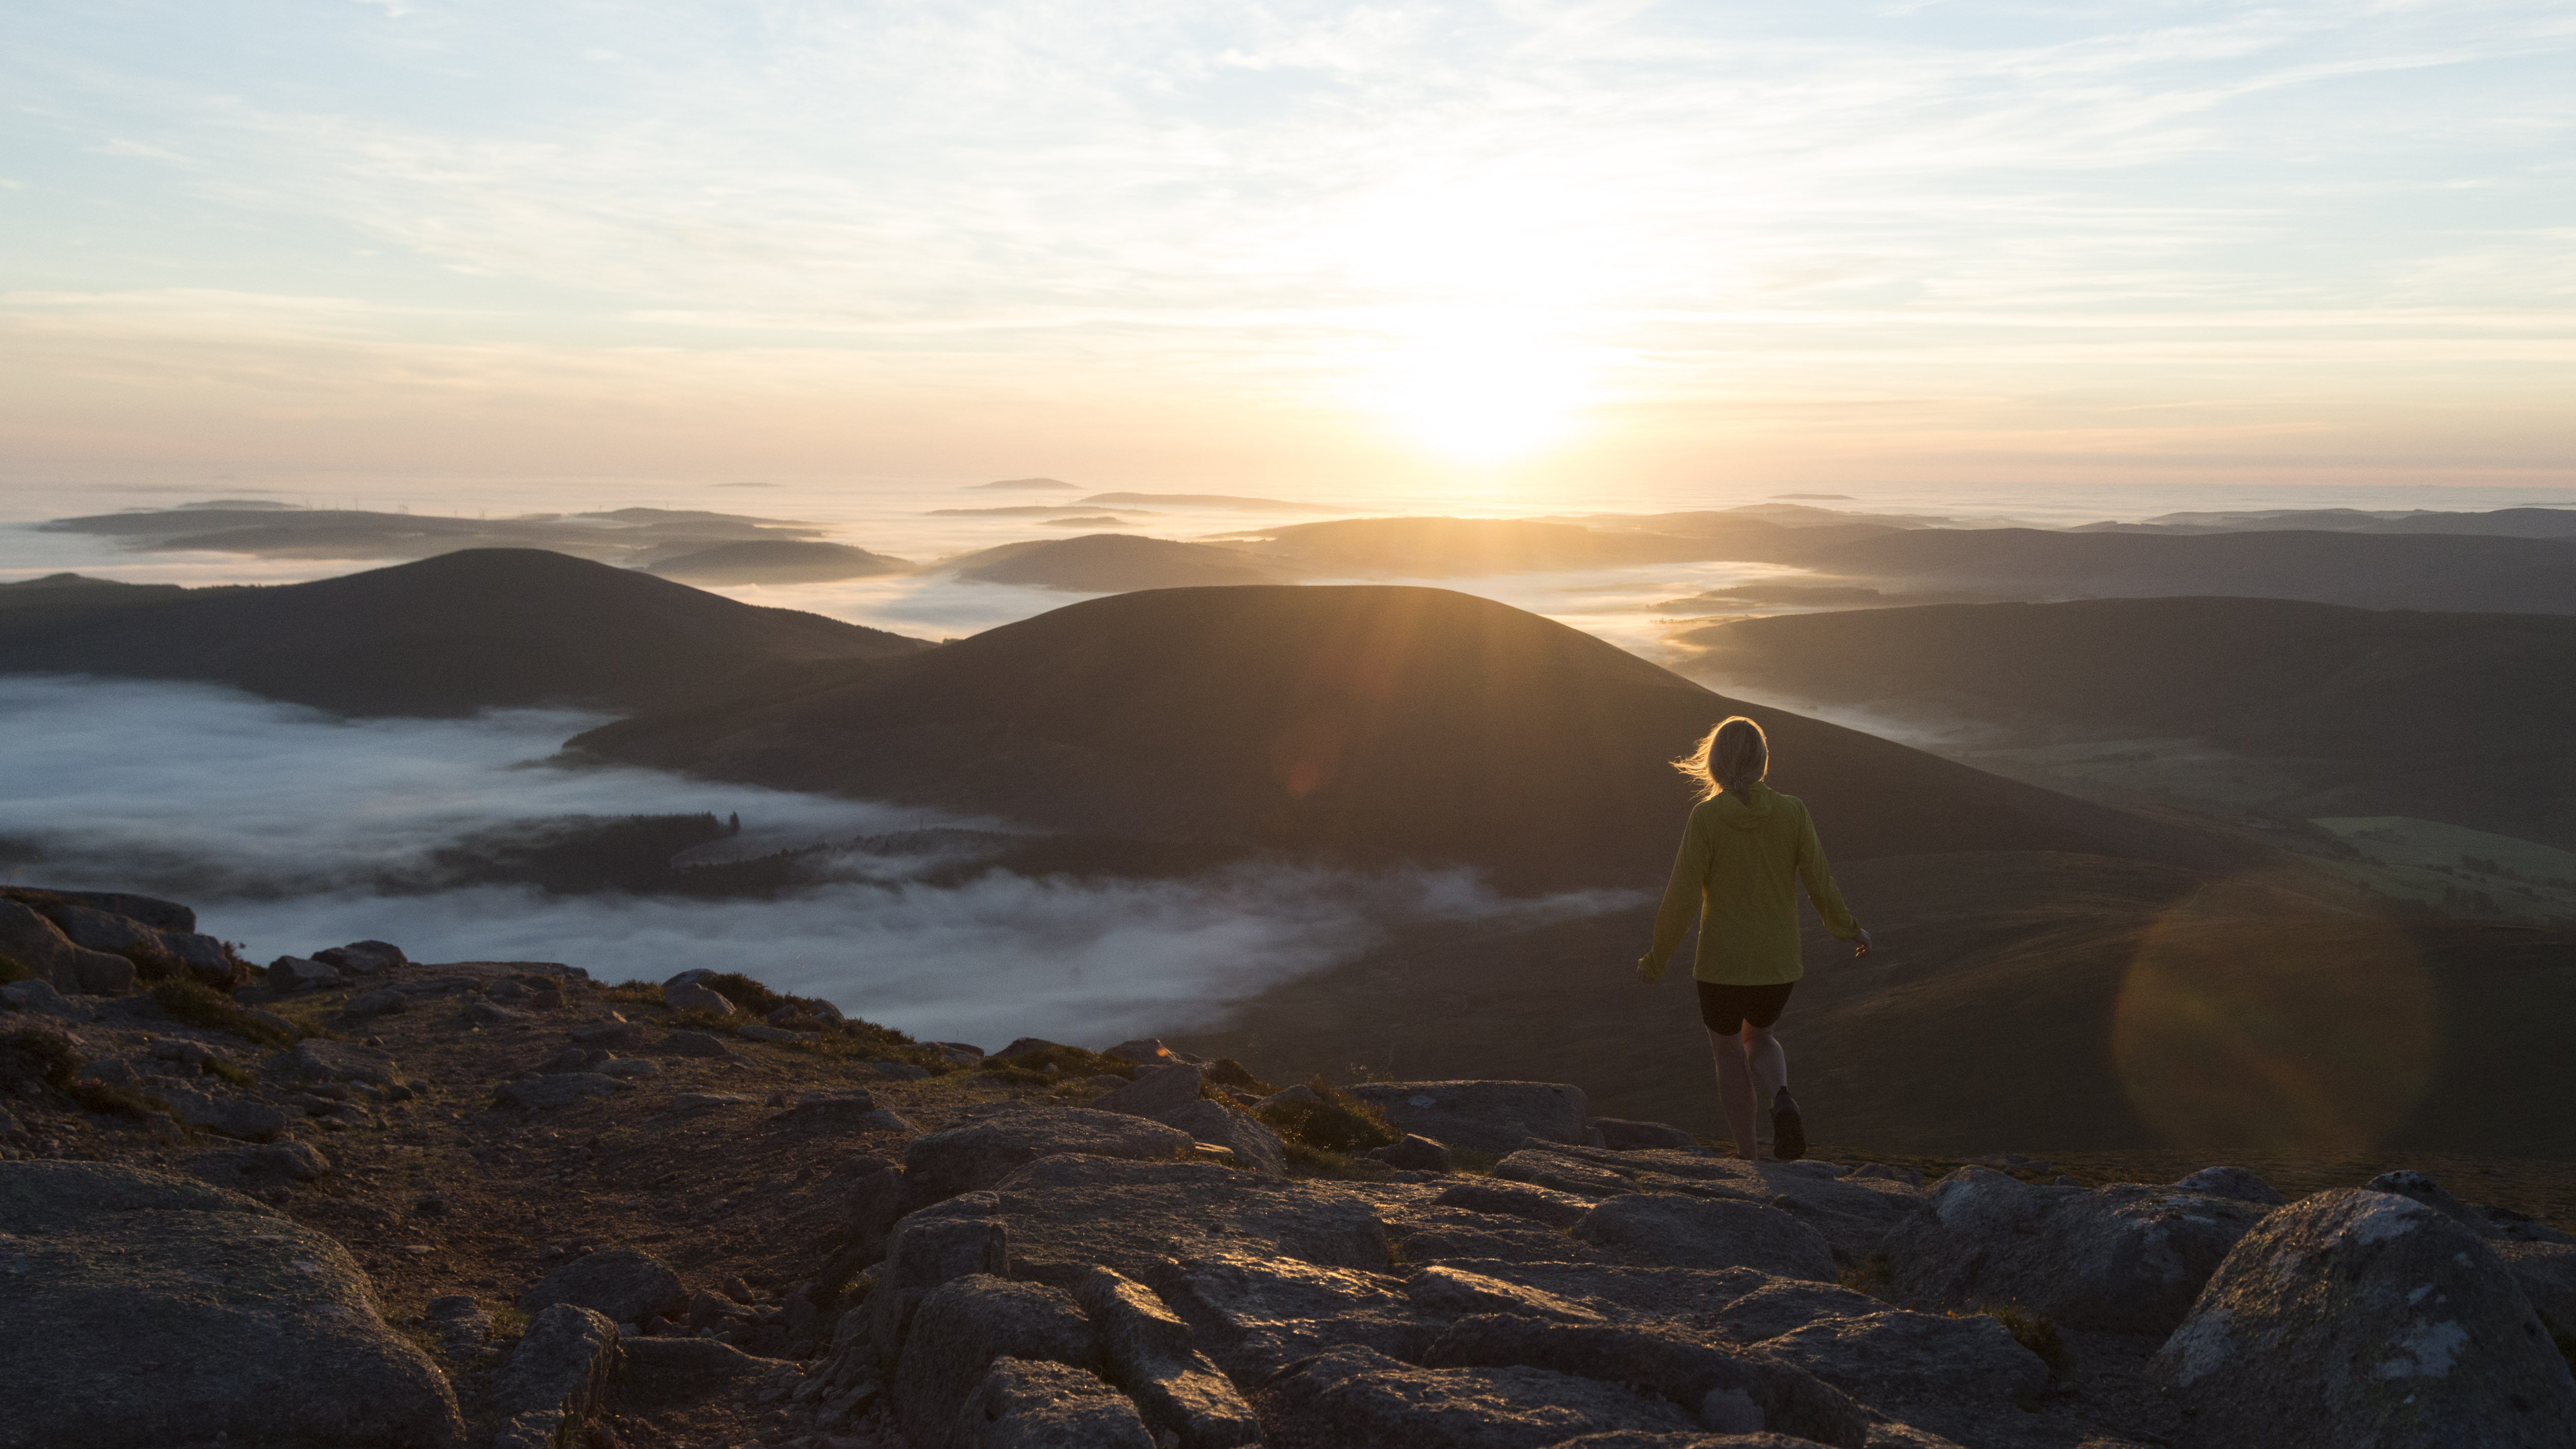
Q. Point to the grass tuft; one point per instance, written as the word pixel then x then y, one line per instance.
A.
pixel 200 1005
pixel 1338 1122
pixel 11 970
pixel 226 1071
pixel 632 993
pixel 1071 1064
pixel 742 991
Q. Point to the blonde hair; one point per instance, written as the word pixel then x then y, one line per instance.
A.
pixel 1734 756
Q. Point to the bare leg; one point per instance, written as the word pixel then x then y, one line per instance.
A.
pixel 1768 1063
pixel 1735 1093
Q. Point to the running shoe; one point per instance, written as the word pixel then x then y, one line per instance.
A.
pixel 1788 1134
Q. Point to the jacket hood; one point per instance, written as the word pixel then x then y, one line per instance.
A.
pixel 1749 809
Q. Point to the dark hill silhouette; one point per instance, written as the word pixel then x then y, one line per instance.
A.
pixel 777 561
pixel 2373 571
pixel 1364 723
pixel 2456 717
pixel 447 636
pixel 1106 563
pixel 2502 522
pixel 1433 548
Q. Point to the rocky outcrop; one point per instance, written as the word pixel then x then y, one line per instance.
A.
pixel 2123 1260
pixel 980 1153
pixel 149 1311
pixel 35 943
pixel 2360 1318
pixel 556 1379
pixel 621 1284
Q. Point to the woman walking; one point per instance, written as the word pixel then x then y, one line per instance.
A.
pixel 1743 853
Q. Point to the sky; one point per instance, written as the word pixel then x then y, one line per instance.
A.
pixel 1304 248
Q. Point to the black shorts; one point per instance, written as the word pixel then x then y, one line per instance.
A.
pixel 1725 1009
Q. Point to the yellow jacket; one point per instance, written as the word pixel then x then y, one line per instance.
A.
pixel 1741 859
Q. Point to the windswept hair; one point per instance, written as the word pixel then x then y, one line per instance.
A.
pixel 1734 756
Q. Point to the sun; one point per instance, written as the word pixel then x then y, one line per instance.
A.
pixel 1479 397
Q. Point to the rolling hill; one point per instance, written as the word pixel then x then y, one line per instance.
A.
pixel 2445 716
pixel 2373 571
pixel 1432 548
pixel 1109 563
pixel 776 561
pixel 444 636
pixel 1362 723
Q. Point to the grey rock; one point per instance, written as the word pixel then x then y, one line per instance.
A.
pixel 35 943
pixel 1069 1214
pixel 690 996
pixel 1255 1146
pixel 980 1153
pixel 701 1101
pixel 628 1068
pixel 962 1327
pixel 1953 1376
pixel 558 1376
pixel 572 1057
pixel 622 1284
pixel 2122 1260
pixel 615 1034
pixel 849 1109
pixel 320 1060
pixel 485 1013
pixel 231 1116
pixel 1493 1117
pixel 1635 1439
pixel 363 958
pixel 1726 1387
pixel 962 1053
pixel 459 1323
pixel 152 911
pixel 2546 1273
pixel 101 930
pixel 1431 1233
pixel 1024 1405
pixel 2355 1317
pixel 1024 1047
pixel 1252 1314
pixel 38 996
pixel 882 1120
pixel 700 1044
pixel 297 973
pixel 1414 1153
pixel 1150 1354
pixel 872 1204
pixel 1691 1232
pixel 378 1003
pixel 1618 1292
pixel 709 1308
pixel 1619 1134
pixel 146 1311
pixel 1353 1395
pixel 1457 1293
pixel 1778 1307
pixel 209 960
pixel 560 1090
pixel 2231 1182
pixel 756 1032
pixel 1538 1204
pixel 1154 1091
pixel 691 977
pixel 925 1251
pixel 2407 1183
pixel 1288 1096
pixel 1855 1216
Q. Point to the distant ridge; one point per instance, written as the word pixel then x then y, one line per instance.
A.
pixel 1215 500
pixel 1365 723
pixel 777 561
pixel 445 636
pixel 1110 563
pixel 1021 484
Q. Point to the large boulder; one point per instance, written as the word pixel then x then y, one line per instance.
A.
pixel 343 1061
pixel 2364 1320
pixel 1154 1091
pixel 363 958
pixel 145 1311
pixel 1854 1213
pixel 1723 1387
pixel 1255 1147
pixel 958 1238
pixel 27 938
pixel 962 1327
pixel 230 1116
pixel 1022 1404
pixel 152 911
pixel 1254 1314
pixel 2546 1273
pixel 1951 1375
pixel 1697 1232
pixel 1151 1355
pixel 623 1284
pixel 1068 1215
pixel 1352 1395
pixel 1493 1117
pixel 2128 1259
pixel 980 1153
pixel 557 1377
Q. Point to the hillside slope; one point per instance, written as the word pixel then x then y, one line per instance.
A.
pixel 1367 723
pixel 2375 571
pixel 2447 716
pixel 444 636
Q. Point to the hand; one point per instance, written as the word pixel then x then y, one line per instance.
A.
pixel 1860 946
pixel 1650 972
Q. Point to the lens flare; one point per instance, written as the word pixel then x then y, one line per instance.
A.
pixel 2257 1017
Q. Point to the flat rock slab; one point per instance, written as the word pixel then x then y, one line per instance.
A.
pixel 1353 1396
pixel 982 1152
pixel 1494 1117
pixel 1068 1214
pixel 1854 1214
pixel 343 1061
pixel 148 1311
pixel 1631 1292
pixel 623 1284
pixel 561 1089
pixel 1953 1376
pixel 1695 1232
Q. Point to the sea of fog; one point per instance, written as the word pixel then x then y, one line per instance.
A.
pixel 284 828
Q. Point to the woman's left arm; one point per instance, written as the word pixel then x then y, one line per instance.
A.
pixel 1822 893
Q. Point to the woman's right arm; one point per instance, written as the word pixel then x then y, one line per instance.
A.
pixel 1681 901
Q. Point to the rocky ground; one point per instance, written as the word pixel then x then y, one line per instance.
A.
pixel 355 1200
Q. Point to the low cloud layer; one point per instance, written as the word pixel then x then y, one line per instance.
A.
pixel 274 821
